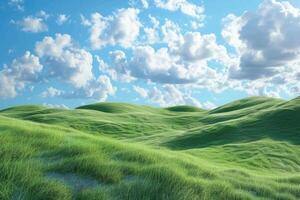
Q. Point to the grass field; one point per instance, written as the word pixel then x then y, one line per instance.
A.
pixel 247 149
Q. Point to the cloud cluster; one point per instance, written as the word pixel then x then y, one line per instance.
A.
pixel 21 71
pixel 65 61
pixel 61 60
pixel 122 28
pixel 33 24
pixel 266 40
pixel 61 19
pixel 265 60
pixel 184 61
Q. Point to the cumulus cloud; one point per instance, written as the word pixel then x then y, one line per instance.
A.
pixel 21 71
pixel 187 8
pixel 151 35
pixel 260 88
pixel 157 66
pixel 7 86
pixel 33 24
pixel 100 89
pixel 61 19
pixel 183 61
pixel 68 63
pixel 122 28
pixel 65 61
pixel 26 68
pixel 171 32
pixel 195 47
pixel 266 40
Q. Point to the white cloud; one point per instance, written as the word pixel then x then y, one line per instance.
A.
pixel 145 3
pixel 26 68
pixel 171 32
pixel 85 21
pixel 196 25
pixel 43 14
pixel 100 89
pixel 152 33
pixel 195 47
pixel 33 24
pixel 62 106
pixel 18 4
pixel 122 28
pixel 61 19
pixel 260 88
pixel 266 40
pixel 7 86
pixel 66 61
pixel 187 8
pixel 141 91
pixel 22 71
pixel 155 22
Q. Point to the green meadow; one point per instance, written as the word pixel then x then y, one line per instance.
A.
pixel 247 149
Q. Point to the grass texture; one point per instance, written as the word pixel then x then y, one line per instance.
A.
pixel 247 149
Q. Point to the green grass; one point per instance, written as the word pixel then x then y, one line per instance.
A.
pixel 248 149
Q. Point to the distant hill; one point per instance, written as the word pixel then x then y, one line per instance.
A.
pixel 251 103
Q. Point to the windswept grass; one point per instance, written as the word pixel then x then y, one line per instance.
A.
pixel 244 150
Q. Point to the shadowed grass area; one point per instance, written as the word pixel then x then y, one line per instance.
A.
pixel 247 149
pixel 184 108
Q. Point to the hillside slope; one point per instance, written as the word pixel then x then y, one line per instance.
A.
pixel 248 149
pixel 277 121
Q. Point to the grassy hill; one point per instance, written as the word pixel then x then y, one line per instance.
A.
pixel 247 149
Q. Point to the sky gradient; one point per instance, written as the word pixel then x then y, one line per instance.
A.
pixel 155 52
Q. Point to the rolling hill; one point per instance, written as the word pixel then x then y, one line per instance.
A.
pixel 247 149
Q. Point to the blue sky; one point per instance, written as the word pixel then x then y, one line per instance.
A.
pixel 155 52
